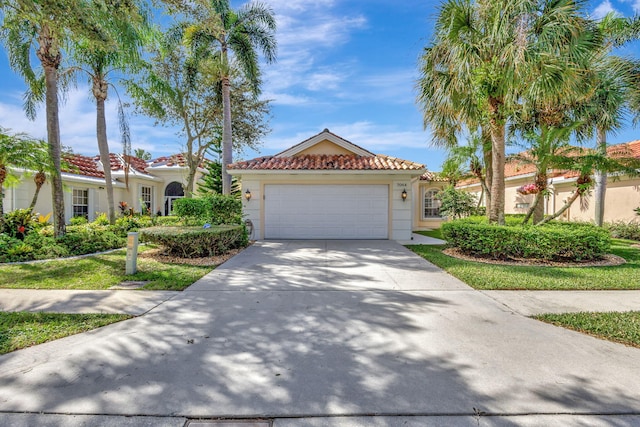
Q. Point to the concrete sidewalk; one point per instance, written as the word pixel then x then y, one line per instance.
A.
pixel 530 303
pixel 71 301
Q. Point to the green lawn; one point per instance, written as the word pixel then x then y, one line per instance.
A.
pixel 619 327
pixel 490 276
pixel 21 330
pixel 98 272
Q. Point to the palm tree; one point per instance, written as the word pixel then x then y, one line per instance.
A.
pixel 616 92
pixel 16 150
pixel 98 63
pixel 482 58
pixel 220 32
pixel 42 166
pixel 45 27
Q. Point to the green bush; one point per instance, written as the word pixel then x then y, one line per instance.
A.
pixel 213 209
pixel 456 203
pixel 553 241
pixel 624 230
pixel 127 223
pixel 193 242
pixel 166 220
pixel 78 220
pixel 19 223
pixel 101 219
pixel 86 239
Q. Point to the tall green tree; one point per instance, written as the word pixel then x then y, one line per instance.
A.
pixel 44 28
pixel 18 151
pixel 221 33
pixel 488 51
pixel 615 83
pixel 99 63
pixel 175 91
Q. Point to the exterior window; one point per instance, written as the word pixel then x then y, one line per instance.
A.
pixel 80 203
pixel 431 204
pixel 146 197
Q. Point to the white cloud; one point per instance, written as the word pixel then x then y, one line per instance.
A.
pixel 78 125
pixel 604 8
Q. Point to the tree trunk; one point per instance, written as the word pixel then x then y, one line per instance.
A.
pixel 39 179
pixel 496 213
pixel 532 210
pixel 3 176
pixel 566 206
pixel 55 150
pixel 227 146
pixel 103 148
pixel 191 176
pixel 49 55
pixel 601 180
pixel 488 165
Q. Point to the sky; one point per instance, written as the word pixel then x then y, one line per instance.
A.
pixel 346 65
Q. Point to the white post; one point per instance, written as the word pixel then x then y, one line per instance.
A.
pixel 132 252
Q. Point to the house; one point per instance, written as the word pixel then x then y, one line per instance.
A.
pixel 329 188
pixel 152 186
pixel 621 198
pixel 426 209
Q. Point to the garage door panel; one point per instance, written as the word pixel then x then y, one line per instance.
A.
pixel 326 211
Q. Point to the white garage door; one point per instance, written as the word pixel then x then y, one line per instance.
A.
pixel 326 212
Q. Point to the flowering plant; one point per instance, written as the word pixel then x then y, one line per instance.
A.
pixel 527 189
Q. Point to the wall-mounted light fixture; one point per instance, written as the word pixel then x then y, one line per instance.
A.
pixel 404 195
pixel 247 195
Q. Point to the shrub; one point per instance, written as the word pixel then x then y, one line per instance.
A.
pixel 553 241
pixel 45 246
pixel 19 223
pixel 166 220
pixel 456 203
pixel 81 240
pixel 624 230
pixel 213 209
pixel 192 242
pixel 102 219
pixel 124 224
pixel 78 220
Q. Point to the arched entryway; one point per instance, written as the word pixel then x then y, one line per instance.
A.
pixel 172 192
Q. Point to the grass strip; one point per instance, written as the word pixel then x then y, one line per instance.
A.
pixel 21 329
pixel 99 272
pixel 504 277
pixel 621 327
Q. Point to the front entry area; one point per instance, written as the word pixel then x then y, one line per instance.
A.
pixel 326 211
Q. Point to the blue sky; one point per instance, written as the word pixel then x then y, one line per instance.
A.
pixel 346 65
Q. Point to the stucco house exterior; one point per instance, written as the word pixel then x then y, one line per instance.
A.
pixel 152 185
pixel 326 187
pixel 621 198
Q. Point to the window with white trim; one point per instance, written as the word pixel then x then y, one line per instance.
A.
pixel 146 197
pixel 80 202
pixel 431 204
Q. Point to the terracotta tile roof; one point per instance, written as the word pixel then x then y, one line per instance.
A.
pixel 81 165
pixel 432 176
pixel 117 163
pixel 515 168
pixel 327 162
pixel 173 160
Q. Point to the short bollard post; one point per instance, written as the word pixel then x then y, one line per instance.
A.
pixel 132 253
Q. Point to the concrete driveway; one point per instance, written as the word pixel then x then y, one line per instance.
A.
pixel 317 328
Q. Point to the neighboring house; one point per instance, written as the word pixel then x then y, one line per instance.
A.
pixel 621 198
pixel 152 185
pixel 328 188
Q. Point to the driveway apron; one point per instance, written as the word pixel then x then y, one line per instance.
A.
pixel 306 328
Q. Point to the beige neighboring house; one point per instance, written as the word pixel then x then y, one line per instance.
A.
pixel 328 188
pixel 154 185
pixel 426 207
pixel 621 198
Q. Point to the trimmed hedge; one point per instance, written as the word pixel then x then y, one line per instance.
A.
pixel 194 242
pixel 559 241
pixel 624 230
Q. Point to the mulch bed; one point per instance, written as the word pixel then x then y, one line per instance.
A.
pixel 158 255
pixel 606 261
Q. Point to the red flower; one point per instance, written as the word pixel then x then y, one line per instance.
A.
pixel 21 229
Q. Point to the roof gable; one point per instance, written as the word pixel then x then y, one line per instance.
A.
pixel 323 141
